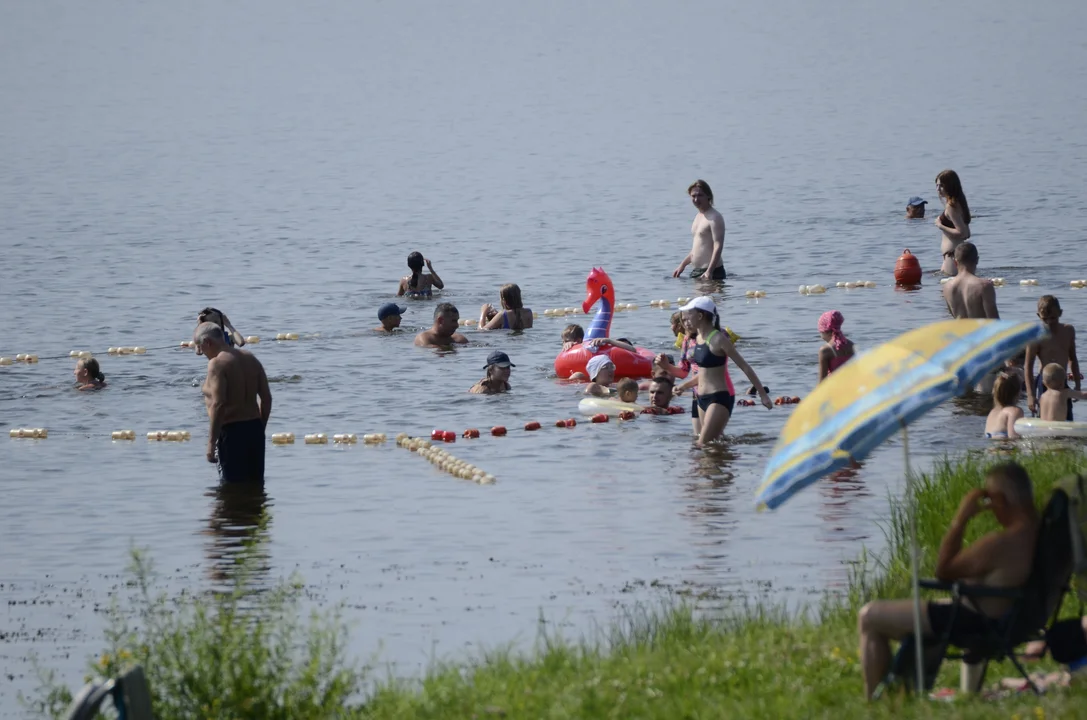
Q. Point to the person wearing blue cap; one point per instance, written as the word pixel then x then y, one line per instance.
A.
pixel 498 375
pixel 389 315
pixel 915 208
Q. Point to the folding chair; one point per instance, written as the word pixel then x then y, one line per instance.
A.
pixel 1035 607
pixel 128 691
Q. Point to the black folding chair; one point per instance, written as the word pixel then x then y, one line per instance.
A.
pixel 128 691
pixel 1035 607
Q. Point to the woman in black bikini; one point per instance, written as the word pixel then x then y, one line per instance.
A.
pixel 954 221
pixel 418 284
pixel 716 395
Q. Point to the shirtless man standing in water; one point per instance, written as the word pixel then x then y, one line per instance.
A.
pixel 968 296
pixel 239 403
pixel 709 236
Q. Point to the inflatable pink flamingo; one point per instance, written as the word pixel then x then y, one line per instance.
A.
pixel 598 287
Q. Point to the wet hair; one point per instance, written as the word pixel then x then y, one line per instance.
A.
pixel 1049 302
pixel 415 263
pixel 445 309
pixel 665 379
pixel 949 181
pixel 704 187
pixel 1014 482
pixel 92 368
pixel 1006 390
pixel 966 253
pixel 626 385
pixel 510 295
pixel 1053 376
pixel 573 333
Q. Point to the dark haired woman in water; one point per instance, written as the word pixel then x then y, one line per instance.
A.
pixel 419 284
pixel 89 375
pixel 954 221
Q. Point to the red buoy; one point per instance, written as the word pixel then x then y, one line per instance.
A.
pixel 471 433
pixel 600 418
pixel 532 425
pixel 907 269
pixel 498 431
pixel 626 415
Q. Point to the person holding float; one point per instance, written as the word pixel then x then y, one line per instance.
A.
pixel 514 315
pixel 419 284
pixel 629 362
pixel 716 394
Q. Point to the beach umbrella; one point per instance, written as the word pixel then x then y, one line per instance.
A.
pixel 879 393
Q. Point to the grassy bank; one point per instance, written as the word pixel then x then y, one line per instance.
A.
pixel 243 656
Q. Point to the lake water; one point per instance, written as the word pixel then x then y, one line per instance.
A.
pixel 280 160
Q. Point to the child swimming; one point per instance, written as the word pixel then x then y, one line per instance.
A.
pixel 419 284
pixel 628 390
pixel 1000 424
pixel 837 349
pixel 1055 404
pixel 514 315
pixel 89 375
pixel 601 372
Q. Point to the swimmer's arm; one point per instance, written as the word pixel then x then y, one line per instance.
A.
pixel 1014 415
pixel 600 342
pixel 215 390
pixel 721 340
pixel 402 287
pixel 717 230
pixel 477 389
pixel 494 323
pixel 824 362
pixel 1028 368
pixel 947 301
pixel 687 384
pixel 682 266
pixel 960 230
pixel 265 394
pixel 434 279
pixel 988 301
pixel 1073 361
pixel 458 338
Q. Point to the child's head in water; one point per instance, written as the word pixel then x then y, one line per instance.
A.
pixel 1054 378
pixel 573 333
pixel 88 372
pixel 628 390
pixel 601 370
pixel 1006 390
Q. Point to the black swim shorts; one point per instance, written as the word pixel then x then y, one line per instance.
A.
pixel 240 448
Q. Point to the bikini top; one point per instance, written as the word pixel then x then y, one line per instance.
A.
pixel 704 357
pixel 506 318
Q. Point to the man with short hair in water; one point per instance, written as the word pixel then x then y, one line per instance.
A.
pixel 967 295
pixel 708 230
pixel 660 394
pixel 239 404
pixel 443 333
pixel 1001 559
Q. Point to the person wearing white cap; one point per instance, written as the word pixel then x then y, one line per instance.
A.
pixel 601 372
pixel 716 395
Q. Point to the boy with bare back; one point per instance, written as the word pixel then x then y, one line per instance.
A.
pixel 1055 402
pixel 1059 348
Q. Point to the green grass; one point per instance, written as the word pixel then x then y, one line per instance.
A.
pixel 756 661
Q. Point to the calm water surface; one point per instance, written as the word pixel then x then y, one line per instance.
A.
pixel 279 161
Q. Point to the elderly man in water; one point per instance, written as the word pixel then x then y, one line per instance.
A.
pixel 239 403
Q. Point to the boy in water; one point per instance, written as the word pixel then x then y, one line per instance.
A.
pixel 389 316
pixel 572 334
pixel 601 371
pixel 444 332
pixel 1055 403
pixel 628 390
pixel 1058 348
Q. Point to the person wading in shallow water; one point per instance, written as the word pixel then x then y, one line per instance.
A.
pixel 708 231
pixel 239 404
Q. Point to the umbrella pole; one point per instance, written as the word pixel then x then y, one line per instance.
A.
pixel 914 565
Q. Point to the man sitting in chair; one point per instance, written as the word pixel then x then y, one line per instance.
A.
pixel 1000 559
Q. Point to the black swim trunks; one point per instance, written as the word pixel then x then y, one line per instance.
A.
pixel 240 447
pixel 722 397
pixel 717 274
pixel 968 623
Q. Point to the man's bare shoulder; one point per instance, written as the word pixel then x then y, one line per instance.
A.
pixel 423 338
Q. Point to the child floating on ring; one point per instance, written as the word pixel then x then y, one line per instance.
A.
pixel 838 349
pixel 89 375
pixel 419 284
pixel 601 372
pixel 627 390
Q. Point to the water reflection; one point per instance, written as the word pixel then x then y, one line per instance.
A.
pixel 238 524
pixel 841 491
pixel 976 404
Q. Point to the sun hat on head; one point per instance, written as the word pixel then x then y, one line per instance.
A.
pixel 917 200
pixel 499 358
pixel 704 303
pixel 596 364
pixel 390 309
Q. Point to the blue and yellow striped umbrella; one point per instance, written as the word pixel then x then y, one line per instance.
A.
pixel 874 395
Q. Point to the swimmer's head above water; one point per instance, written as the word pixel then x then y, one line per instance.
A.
pixel 915 208
pixel 389 315
pixel 88 372
pixel 415 264
pixel 218 317
pixel 446 319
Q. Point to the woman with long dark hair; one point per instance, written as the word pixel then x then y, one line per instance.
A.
pixel 419 284
pixel 954 221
